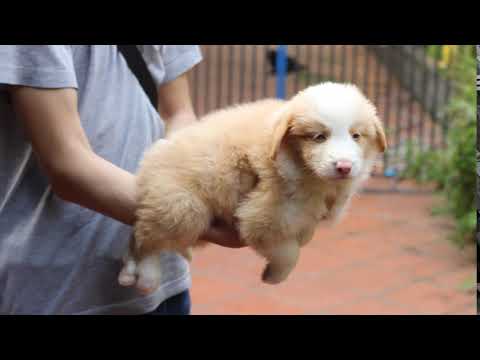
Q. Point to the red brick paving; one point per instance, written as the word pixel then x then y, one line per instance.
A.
pixel 388 256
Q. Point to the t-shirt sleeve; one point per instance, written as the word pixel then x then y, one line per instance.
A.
pixel 42 66
pixel 168 62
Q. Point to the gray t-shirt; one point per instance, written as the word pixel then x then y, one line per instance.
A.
pixel 57 257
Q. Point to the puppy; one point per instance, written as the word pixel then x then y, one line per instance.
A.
pixel 272 168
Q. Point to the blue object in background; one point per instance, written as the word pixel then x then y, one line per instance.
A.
pixel 281 71
pixel 390 172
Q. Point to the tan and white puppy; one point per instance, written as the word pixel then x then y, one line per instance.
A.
pixel 275 169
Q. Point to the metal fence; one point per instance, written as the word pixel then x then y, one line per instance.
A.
pixel 409 84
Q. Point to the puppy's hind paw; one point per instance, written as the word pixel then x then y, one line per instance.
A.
pixel 127 276
pixel 126 279
pixel 149 274
pixel 272 276
pixel 147 286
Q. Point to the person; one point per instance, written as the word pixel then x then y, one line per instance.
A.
pixel 74 125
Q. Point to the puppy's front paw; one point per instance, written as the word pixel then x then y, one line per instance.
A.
pixel 272 276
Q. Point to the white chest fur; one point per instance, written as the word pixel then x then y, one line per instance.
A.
pixel 302 212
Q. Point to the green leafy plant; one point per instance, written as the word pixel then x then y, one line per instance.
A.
pixel 452 169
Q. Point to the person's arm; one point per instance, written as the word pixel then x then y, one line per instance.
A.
pixel 175 104
pixel 76 173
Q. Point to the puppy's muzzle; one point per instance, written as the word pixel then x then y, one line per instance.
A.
pixel 343 167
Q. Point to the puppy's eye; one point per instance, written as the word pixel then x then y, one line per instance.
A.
pixel 356 136
pixel 319 137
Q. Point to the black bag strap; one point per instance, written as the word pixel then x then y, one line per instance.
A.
pixel 139 68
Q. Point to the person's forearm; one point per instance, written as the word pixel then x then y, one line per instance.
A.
pixel 178 121
pixel 52 124
pixel 96 184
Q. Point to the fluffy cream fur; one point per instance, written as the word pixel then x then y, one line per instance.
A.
pixel 267 167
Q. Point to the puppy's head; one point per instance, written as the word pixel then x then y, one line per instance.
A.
pixel 333 128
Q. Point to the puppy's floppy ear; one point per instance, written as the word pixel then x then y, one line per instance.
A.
pixel 381 139
pixel 283 123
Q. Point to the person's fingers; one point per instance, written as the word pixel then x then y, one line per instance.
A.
pixel 224 236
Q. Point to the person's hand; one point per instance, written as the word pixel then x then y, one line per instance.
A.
pixel 223 235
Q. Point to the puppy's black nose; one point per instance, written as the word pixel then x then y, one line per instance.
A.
pixel 344 167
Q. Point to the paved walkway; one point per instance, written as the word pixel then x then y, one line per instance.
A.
pixel 388 256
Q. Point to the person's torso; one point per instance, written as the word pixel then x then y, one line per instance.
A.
pixel 74 253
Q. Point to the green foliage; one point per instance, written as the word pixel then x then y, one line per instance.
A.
pixel 468 285
pixel 453 169
pixel 425 166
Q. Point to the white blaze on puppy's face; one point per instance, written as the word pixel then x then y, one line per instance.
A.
pixel 339 132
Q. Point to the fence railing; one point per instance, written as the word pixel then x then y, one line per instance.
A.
pixel 409 84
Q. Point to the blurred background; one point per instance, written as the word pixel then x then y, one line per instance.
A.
pixel 407 246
